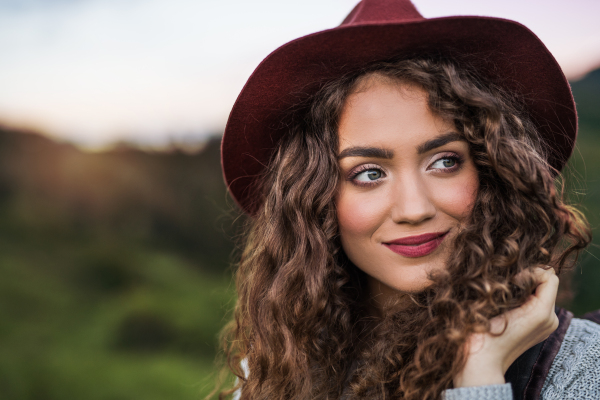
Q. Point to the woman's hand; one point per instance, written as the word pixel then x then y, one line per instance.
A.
pixel 490 356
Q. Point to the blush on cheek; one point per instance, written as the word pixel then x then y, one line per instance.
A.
pixel 356 216
pixel 460 198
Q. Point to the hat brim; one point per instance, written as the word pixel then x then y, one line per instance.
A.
pixel 505 52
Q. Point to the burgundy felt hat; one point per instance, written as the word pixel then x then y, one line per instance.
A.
pixel 505 52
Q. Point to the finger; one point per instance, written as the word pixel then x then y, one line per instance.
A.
pixel 544 298
pixel 538 274
pixel 540 304
pixel 547 285
pixel 544 279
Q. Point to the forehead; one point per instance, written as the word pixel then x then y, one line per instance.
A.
pixel 387 112
pixel 369 79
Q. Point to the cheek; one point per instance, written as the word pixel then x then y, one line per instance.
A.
pixel 359 214
pixel 457 199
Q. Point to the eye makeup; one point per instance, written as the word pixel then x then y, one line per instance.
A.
pixel 457 158
pixel 363 169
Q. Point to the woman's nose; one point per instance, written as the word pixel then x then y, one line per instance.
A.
pixel 411 202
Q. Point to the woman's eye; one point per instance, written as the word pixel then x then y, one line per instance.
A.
pixel 368 175
pixel 444 163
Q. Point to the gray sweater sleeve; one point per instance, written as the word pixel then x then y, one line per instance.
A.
pixel 574 374
pixel 489 392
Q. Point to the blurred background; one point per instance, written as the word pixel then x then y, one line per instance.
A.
pixel 116 231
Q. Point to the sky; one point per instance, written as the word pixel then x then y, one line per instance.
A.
pixel 94 72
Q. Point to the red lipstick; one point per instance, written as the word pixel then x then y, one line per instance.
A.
pixel 416 246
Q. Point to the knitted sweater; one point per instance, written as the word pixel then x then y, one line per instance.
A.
pixel 574 375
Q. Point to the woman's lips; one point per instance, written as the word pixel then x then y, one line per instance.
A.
pixel 416 246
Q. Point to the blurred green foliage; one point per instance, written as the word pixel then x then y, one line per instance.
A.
pixel 582 176
pixel 115 265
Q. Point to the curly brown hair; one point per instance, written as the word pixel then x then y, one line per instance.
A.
pixel 301 325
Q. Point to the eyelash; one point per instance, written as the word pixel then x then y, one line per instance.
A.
pixel 363 168
pixel 449 156
pixel 372 167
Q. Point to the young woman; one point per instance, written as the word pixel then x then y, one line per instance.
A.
pixel 406 228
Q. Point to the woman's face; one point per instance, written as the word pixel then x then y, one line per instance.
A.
pixel 408 183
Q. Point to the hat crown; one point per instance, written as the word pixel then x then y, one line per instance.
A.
pixel 372 11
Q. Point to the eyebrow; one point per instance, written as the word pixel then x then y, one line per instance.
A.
pixel 368 152
pixel 379 152
pixel 439 142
